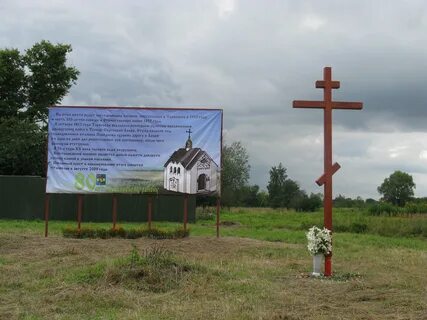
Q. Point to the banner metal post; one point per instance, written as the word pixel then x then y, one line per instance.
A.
pixel 218 209
pixel 150 206
pixel 185 211
pixel 79 211
pixel 114 211
pixel 46 214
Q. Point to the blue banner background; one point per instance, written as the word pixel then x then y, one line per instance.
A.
pixel 123 149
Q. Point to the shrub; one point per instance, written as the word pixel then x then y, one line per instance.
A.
pixel 415 207
pixel 102 233
pixel 181 233
pixel 70 232
pixel 88 233
pixel 155 233
pixel 134 233
pixel 119 232
pixel 383 208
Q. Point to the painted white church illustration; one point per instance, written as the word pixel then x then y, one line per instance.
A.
pixel 191 170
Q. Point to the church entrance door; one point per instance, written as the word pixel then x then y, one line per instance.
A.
pixel 201 182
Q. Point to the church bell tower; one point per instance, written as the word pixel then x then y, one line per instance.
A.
pixel 189 143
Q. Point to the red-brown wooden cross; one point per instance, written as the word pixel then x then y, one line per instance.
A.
pixel 327 84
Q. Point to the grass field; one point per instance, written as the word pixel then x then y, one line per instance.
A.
pixel 258 269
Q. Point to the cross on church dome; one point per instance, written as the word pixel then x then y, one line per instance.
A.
pixel 189 143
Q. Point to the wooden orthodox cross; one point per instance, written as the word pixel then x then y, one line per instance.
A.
pixel 327 84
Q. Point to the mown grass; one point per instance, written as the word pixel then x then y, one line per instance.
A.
pixel 238 276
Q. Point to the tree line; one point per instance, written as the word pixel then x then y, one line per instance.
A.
pixel 396 190
pixel 282 191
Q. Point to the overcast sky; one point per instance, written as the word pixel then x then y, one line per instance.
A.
pixel 252 58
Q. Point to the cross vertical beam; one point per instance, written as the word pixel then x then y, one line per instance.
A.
pixel 327 140
pixel 327 84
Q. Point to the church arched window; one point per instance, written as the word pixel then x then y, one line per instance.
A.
pixel 179 170
pixel 170 169
pixel 174 169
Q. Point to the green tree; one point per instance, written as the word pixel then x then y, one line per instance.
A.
pixel 249 196
pixel 281 190
pixel 34 81
pixel 22 147
pixel 235 172
pixel 370 201
pixel 342 202
pixel 303 202
pixel 29 84
pixel 398 188
pixel 12 83
pixel 235 166
pixel 262 199
pixel 275 186
pixel 49 78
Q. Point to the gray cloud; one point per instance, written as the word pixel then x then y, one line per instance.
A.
pixel 252 59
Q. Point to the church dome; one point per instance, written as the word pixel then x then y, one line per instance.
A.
pixel 189 143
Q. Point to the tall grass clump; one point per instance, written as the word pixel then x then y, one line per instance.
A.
pixel 398 227
pixel 387 209
pixel 155 269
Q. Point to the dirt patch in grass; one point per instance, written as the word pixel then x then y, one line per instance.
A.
pixel 227 223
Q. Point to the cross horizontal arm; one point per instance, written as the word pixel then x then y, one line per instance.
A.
pixel 347 105
pixel 308 104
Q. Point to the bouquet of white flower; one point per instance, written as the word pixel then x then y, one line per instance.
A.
pixel 319 241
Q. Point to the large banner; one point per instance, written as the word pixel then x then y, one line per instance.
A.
pixel 134 150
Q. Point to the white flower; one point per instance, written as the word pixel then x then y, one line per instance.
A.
pixel 319 241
